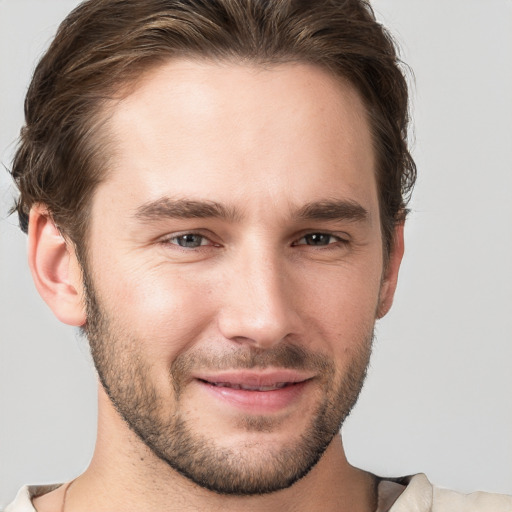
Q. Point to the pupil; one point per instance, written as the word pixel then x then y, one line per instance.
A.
pixel 189 241
pixel 318 239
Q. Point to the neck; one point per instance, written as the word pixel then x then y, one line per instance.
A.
pixel 125 475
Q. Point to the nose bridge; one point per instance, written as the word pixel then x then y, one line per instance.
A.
pixel 258 309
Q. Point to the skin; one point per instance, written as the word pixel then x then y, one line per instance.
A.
pixel 263 143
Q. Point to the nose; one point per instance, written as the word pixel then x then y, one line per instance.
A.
pixel 258 302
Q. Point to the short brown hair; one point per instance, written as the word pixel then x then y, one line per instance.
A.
pixel 105 44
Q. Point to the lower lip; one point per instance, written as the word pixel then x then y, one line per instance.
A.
pixel 258 402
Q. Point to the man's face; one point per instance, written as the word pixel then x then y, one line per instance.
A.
pixel 234 268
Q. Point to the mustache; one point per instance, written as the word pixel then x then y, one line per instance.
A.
pixel 282 355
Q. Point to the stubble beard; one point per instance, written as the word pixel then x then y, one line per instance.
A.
pixel 249 469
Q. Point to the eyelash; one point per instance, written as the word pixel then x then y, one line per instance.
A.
pixel 337 240
pixel 331 245
pixel 169 240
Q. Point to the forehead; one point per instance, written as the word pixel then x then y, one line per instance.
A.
pixel 242 133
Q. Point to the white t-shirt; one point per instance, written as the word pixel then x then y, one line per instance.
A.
pixel 408 494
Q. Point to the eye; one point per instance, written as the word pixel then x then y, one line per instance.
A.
pixel 318 239
pixel 189 240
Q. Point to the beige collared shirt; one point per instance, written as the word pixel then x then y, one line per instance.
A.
pixel 409 494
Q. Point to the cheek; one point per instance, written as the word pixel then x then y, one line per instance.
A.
pixel 163 310
pixel 168 309
pixel 341 305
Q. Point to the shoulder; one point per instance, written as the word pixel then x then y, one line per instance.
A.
pixel 477 501
pixel 421 496
pixel 23 500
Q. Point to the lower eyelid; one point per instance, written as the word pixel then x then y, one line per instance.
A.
pixel 335 239
pixel 173 240
pixel 207 242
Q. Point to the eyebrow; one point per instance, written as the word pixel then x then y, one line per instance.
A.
pixel 334 209
pixel 169 208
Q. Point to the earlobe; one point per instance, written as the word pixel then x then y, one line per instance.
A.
pixel 390 279
pixel 55 268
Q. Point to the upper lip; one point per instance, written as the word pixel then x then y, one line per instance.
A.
pixel 254 378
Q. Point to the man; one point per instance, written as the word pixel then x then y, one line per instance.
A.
pixel 216 194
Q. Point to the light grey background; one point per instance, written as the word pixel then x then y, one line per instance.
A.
pixel 438 398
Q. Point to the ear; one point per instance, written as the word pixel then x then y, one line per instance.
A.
pixel 55 268
pixel 390 278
